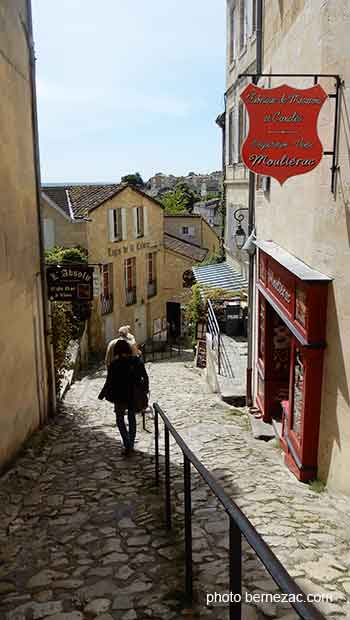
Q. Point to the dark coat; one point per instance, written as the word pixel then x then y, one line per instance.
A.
pixel 125 377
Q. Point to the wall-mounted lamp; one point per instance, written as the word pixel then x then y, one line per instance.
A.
pixel 240 235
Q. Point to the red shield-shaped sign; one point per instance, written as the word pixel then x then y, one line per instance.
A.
pixel 282 140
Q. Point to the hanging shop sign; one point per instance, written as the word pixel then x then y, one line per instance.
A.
pixel 70 283
pixel 282 140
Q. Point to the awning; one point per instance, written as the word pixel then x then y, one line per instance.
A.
pixel 220 275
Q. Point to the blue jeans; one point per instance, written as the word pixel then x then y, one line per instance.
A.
pixel 128 436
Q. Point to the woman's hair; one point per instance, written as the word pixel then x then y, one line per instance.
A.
pixel 122 347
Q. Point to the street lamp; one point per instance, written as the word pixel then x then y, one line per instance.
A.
pixel 240 235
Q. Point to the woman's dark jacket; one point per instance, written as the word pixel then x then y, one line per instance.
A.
pixel 126 375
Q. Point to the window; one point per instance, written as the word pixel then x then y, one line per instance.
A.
pixel 151 274
pixel 232 52
pixel 254 16
pixel 107 289
pixel 242 128
pixel 230 136
pixel 242 24
pixel 185 230
pixel 139 222
pixel 130 280
pixel 117 224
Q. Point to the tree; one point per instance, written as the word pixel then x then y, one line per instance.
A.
pixel 180 200
pixel 133 179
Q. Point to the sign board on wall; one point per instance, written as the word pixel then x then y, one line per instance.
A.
pixel 70 283
pixel 282 141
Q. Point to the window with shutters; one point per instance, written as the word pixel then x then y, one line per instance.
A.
pixel 140 226
pixel 130 280
pixel 242 24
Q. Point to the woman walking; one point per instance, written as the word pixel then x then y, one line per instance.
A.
pixel 126 386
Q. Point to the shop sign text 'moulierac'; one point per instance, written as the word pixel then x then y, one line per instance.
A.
pixel 282 139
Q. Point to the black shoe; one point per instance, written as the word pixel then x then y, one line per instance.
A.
pixel 126 451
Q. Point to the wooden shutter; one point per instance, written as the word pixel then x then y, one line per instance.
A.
pixel 111 224
pixel 145 221
pixel 134 213
pixel 124 224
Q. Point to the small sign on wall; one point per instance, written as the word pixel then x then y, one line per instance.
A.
pixel 70 283
pixel 282 141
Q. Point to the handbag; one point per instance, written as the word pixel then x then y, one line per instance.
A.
pixel 140 398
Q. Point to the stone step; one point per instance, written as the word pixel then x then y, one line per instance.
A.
pixel 260 429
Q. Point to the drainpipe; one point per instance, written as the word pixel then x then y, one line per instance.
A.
pixel 28 28
pixel 221 122
pixel 251 220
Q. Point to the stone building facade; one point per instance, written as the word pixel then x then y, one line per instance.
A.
pixel 60 227
pixel 26 378
pixel 241 58
pixel 194 229
pixel 302 230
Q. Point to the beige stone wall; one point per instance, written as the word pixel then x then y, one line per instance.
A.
pixel 303 216
pixel 210 239
pixel 101 250
pixel 236 175
pixel 67 234
pixel 174 225
pixel 23 386
pixel 174 265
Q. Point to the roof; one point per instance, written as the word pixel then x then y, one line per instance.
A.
pixel 81 199
pixel 196 215
pixel 183 247
pixel 220 275
pixel 292 263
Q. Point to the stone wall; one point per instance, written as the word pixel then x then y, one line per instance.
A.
pixel 23 385
pixel 303 216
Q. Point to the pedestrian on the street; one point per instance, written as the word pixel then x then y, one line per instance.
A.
pixel 127 386
pixel 123 334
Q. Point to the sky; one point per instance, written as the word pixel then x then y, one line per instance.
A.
pixel 126 86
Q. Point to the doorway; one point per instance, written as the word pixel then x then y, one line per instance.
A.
pixel 140 324
pixel 173 317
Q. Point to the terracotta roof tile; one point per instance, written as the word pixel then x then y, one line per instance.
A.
pixel 183 247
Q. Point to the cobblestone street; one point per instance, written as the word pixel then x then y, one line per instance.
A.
pixel 82 528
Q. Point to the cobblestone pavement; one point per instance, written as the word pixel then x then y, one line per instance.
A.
pixel 82 528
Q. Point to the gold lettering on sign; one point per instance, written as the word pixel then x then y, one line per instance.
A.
pixel 278 286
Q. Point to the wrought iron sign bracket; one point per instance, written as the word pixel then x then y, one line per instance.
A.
pixel 336 96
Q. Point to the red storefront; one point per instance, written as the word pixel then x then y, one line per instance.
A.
pixel 292 307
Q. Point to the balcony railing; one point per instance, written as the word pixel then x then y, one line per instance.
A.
pixel 131 296
pixel 107 305
pixel 152 289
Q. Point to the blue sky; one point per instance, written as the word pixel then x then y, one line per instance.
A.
pixel 128 86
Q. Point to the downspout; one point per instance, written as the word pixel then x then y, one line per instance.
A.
pixel 221 122
pixel 251 220
pixel 48 349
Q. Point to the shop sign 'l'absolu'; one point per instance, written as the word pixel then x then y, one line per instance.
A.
pixel 282 140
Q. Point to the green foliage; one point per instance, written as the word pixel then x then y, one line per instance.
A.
pixel 61 320
pixel 318 486
pixel 195 310
pixel 133 179
pixel 58 255
pixel 180 200
pixel 213 258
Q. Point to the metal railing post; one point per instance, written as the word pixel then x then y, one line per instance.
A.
pixel 188 530
pixel 219 354
pixel 167 480
pixel 156 441
pixel 235 563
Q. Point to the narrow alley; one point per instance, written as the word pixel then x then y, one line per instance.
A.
pixel 82 528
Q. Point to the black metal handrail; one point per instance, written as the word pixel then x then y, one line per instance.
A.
pixel 217 344
pixel 239 526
